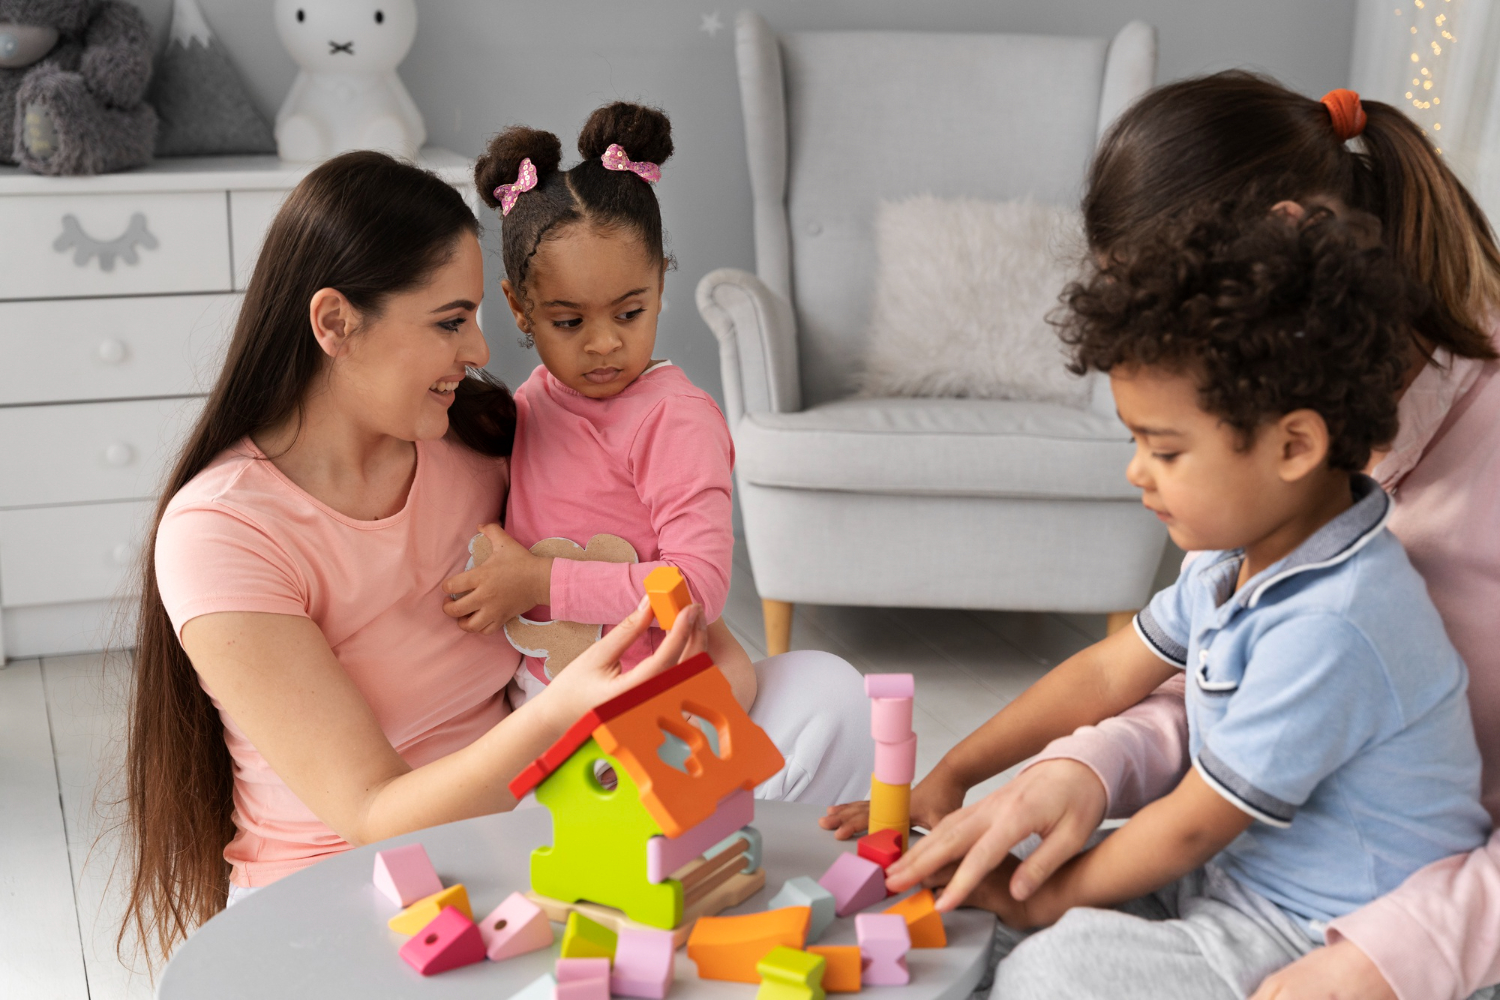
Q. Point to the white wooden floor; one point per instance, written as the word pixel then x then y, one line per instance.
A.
pixel 61 720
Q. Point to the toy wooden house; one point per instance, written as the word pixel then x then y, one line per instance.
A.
pixel 628 847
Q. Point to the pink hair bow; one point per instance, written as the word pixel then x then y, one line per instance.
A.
pixel 615 159
pixel 508 193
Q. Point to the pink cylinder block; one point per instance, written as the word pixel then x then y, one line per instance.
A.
pixel 890 685
pixel 896 763
pixel 890 719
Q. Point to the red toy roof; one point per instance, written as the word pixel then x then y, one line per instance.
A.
pixel 578 733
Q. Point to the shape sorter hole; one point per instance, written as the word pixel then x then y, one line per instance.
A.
pixel 430 939
pixel 605 778
pixel 500 924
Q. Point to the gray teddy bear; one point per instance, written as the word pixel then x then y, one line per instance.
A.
pixel 73 74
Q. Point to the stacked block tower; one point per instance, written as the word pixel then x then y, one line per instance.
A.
pixel 895 752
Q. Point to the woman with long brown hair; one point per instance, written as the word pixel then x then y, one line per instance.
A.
pixel 1238 137
pixel 297 688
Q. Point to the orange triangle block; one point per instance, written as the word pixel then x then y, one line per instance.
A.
pixel 923 922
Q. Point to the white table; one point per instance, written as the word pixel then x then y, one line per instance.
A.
pixel 322 932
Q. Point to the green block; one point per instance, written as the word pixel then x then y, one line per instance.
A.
pixel 584 938
pixel 790 974
pixel 598 850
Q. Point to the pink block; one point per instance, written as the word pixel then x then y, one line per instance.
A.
pixel 890 686
pixel 450 940
pixel 405 875
pixel 582 979
pixel 890 719
pixel 896 763
pixel 515 927
pixel 883 944
pixel 664 855
pixel 643 964
pixel 855 882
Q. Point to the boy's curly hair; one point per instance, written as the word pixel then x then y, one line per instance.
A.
pixel 1270 315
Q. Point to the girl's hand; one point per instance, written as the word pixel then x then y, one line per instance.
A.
pixel 935 796
pixel 993 894
pixel 596 675
pixel 503 584
pixel 1061 799
pixel 1338 972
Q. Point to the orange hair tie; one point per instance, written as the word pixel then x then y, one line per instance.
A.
pixel 1347 113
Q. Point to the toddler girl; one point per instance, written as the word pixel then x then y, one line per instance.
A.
pixel 621 464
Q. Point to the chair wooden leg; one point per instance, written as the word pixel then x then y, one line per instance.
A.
pixel 778 615
pixel 1117 620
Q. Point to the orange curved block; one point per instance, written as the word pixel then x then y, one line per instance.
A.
pixel 730 947
pixel 923 922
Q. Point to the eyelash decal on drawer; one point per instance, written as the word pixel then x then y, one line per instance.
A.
pixel 85 247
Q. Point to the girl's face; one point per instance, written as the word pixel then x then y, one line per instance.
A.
pixel 398 370
pixel 595 297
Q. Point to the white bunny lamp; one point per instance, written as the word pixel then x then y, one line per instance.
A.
pixel 347 94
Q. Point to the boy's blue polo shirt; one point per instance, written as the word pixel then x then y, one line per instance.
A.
pixel 1326 701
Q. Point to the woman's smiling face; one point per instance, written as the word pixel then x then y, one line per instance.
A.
pixel 398 369
pixel 594 297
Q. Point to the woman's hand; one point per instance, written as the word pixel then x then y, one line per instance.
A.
pixel 935 796
pixel 507 581
pixel 1062 800
pixel 597 675
pixel 1338 972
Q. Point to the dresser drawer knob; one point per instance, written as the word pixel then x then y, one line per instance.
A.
pixel 85 247
pixel 112 351
pixel 123 554
pixel 119 454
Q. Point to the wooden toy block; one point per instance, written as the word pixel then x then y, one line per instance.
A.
pixel 890 719
pixel 405 875
pixel 890 686
pixel 669 595
pixel 855 883
pixel 790 974
pixel 543 987
pixel 678 800
pixel 709 874
pixel 754 846
pixel 890 809
pixel 582 979
pixel 515 927
pixel 731 893
pixel 643 964
pixel 883 848
pixel 447 942
pixel 584 938
pixel 896 763
pixel 729 947
pixel 425 910
pixel 923 922
pixel 664 855
pixel 842 965
pixel 883 944
pixel 804 891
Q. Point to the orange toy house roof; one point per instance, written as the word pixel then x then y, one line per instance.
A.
pixel 631 727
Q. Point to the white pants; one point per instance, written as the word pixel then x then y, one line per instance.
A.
pixel 813 706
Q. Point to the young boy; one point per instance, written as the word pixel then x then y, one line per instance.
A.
pixel 1256 365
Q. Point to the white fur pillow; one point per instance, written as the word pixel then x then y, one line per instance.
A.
pixel 962 291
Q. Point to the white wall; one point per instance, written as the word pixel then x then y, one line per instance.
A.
pixel 481 64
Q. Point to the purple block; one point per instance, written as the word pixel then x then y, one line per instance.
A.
pixel 582 979
pixel 890 686
pixel 405 875
pixel 883 944
pixel 643 964
pixel 890 719
pixel 515 927
pixel 855 882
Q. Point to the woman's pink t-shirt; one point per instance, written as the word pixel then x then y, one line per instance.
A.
pixel 242 537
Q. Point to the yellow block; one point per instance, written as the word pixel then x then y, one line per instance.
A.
pixel 669 594
pixel 425 910
pixel 890 809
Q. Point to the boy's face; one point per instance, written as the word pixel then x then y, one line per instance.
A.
pixel 1190 470
pixel 595 298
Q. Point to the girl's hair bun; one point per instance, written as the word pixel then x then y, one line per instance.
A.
pixel 501 163
pixel 644 133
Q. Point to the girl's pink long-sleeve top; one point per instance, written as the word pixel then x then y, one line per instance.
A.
pixel 652 465
pixel 1437 937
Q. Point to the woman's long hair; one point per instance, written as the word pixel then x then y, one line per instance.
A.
pixel 1206 141
pixel 366 225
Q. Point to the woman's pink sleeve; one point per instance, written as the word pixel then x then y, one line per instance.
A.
pixel 1140 754
pixel 1437 936
pixel 682 461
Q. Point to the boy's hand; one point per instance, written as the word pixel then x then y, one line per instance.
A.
pixel 934 797
pixel 1340 971
pixel 503 584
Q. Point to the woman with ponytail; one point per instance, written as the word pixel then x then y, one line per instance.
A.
pixel 1239 138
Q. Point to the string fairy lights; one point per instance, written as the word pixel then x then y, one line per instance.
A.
pixel 1431 30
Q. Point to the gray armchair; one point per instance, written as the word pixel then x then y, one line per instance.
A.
pixel 964 503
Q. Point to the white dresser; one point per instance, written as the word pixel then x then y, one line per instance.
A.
pixel 117 297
